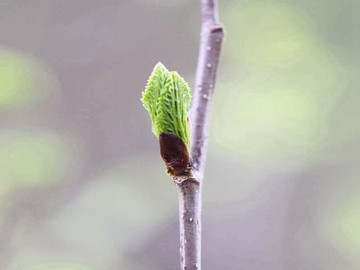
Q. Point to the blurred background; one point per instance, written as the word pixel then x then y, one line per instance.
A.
pixel 82 185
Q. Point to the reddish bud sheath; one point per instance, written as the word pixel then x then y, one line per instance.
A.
pixel 175 154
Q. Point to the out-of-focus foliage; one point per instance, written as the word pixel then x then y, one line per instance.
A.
pixel 279 36
pixel 112 206
pixel 281 95
pixel 340 223
pixel 132 209
pixel 31 158
pixel 21 80
pixel 58 266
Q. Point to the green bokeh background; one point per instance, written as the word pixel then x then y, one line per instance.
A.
pixel 82 186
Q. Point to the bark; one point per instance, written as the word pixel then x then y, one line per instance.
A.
pixel 190 187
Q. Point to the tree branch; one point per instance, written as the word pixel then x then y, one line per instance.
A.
pixel 189 188
pixel 210 45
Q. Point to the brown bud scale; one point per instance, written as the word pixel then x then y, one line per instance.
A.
pixel 175 154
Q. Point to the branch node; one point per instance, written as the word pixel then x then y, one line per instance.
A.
pixel 216 28
pixel 181 180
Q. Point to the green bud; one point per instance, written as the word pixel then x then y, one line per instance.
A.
pixel 167 99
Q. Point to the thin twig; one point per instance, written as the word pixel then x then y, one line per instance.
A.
pixel 210 45
pixel 189 189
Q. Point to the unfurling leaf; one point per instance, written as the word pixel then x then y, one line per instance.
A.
pixel 151 95
pixel 167 99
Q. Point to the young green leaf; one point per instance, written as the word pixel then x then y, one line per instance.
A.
pixel 154 87
pixel 167 99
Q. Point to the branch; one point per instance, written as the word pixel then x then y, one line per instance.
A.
pixel 189 187
pixel 212 34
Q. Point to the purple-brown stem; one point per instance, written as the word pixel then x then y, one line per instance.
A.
pixel 189 187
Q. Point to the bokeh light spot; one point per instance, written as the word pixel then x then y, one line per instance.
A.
pixel 341 223
pixel 28 159
pixel 279 35
pixel 267 121
pixel 21 80
pixel 58 266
